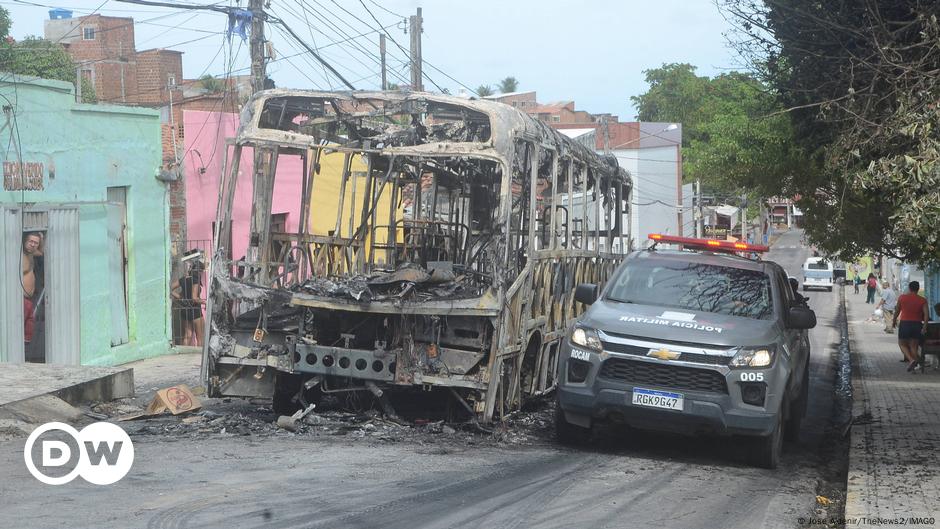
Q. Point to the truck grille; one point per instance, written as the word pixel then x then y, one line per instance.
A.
pixel 664 375
pixel 698 358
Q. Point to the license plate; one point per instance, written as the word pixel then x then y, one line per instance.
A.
pixel 657 399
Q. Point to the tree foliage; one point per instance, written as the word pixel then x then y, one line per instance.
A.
pixel 484 90
pixel 40 58
pixel 509 84
pixel 4 22
pixel 861 82
pixel 732 138
pixel 211 84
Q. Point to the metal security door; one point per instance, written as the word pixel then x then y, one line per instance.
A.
pixel 63 331
pixel 117 262
pixel 11 291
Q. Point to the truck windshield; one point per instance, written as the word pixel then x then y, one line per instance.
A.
pixel 694 286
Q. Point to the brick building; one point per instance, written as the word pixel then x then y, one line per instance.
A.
pixel 521 100
pixel 557 113
pixel 105 49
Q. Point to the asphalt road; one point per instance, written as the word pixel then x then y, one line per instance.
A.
pixel 635 480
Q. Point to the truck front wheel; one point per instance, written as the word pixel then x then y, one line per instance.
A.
pixel 767 449
pixel 567 433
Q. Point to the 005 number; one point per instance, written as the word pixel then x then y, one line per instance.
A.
pixel 752 377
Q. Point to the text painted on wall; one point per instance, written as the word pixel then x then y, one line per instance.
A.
pixel 23 176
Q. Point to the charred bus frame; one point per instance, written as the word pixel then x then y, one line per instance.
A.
pixel 453 269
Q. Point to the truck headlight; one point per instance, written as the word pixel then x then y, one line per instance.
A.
pixel 753 357
pixel 586 338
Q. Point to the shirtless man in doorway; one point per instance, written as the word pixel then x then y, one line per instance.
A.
pixel 31 243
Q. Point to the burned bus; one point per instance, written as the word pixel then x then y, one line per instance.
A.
pixel 439 245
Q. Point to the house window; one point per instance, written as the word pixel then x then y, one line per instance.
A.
pixel 88 33
pixel 171 80
pixel 556 119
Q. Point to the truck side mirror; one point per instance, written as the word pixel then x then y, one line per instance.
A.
pixel 585 293
pixel 801 318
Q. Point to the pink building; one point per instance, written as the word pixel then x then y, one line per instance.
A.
pixel 204 148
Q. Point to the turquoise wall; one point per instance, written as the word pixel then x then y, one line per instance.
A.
pixel 86 149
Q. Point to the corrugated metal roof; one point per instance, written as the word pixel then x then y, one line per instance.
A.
pixel 576 133
pixel 508 94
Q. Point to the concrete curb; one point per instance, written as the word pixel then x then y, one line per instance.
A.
pixel 857 477
pixel 73 384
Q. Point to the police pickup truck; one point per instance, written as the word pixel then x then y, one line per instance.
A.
pixel 696 340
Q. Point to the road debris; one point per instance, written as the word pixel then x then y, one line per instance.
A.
pixel 289 423
pixel 175 399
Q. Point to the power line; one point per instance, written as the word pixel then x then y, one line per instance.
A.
pixel 380 6
pixel 395 42
pixel 321 15
pixel 326 76
pixel 312 52
pixel 301 70
pixel 338 32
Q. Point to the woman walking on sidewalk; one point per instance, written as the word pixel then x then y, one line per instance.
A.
pixel 872 286
pixel 914 315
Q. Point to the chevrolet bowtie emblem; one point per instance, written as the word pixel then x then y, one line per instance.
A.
pixel 663 354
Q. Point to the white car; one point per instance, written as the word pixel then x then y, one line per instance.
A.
pixel 818 273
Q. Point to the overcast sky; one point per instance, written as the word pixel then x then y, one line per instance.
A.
pixel 590 51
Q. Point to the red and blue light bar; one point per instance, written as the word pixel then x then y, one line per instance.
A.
pixel 709 244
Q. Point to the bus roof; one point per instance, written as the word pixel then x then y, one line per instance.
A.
pixel 373 121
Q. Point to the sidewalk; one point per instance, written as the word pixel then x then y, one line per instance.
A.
pixel 894 458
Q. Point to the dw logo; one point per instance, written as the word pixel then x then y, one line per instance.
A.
pixel 102 453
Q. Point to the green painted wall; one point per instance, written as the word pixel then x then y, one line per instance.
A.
pixel 86 149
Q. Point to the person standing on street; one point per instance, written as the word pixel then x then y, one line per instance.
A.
pixel 855 278
pixel 913 312
pixel 31 243
pixel 887 304
pixel 188 295
pixel 871 284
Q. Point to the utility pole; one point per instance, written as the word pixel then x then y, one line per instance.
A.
pixel 760 222
pixel 415 25
pixel 258 73
pixel 382 55
pixel 698 214
pixel 78 84
pixel 606 134
pixel 261 186
pixel 744 218
pixel 679 187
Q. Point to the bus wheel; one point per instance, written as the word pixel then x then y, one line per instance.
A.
pixel 286 388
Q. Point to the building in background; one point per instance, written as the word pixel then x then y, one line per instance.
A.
pixel 85 178
pixel 557 113
pixel 106 51
pixel 783 212
pixel 204 153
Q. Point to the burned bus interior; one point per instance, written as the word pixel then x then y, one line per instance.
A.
pixel 426 222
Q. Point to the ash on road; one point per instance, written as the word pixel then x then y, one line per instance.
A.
pixel 230 466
